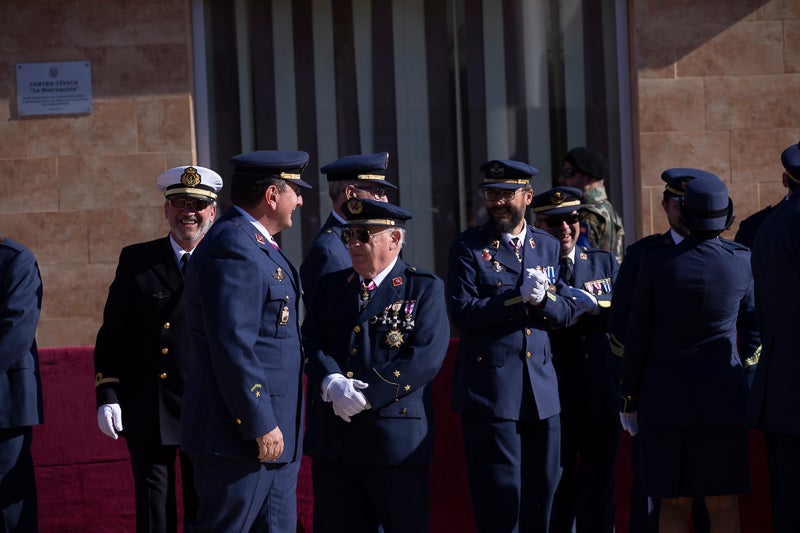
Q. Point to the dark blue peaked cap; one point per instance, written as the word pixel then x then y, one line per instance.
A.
pixel 364 212
pixel 506 174
pixel 676 179
pixel 272 164
pixel 790 159
pixel 557 201
pixel 370 167
pixel 706 205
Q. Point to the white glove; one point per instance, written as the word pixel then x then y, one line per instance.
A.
pixel 343 393
pixel 109 419
pixel 630 422
pixel 340 414
pixel 585 300
pixel 534 286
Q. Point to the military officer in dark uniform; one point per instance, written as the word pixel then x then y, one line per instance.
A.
pixel 644 510
pixel 774 405
pixel 684 388
pixel 588 373
pixel 748 228
pixel 21 405
pixel 352 176
pixel 504 296
pixel 243 403
pixel 141 357
pixel 376 338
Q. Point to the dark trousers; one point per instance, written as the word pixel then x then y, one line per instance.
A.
pixel 244 495
pixel 513 469
pixel 586 492
pixel 155 487
pixel 18 511
pixel 368 499
pixel 783 459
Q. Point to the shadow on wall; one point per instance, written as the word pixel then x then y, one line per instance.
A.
pixel 673 32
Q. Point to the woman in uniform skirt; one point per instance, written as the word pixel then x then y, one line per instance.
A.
pixel 684 386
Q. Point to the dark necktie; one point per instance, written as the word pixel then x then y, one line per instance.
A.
pixel 367 286
pixel 567 271
pixel 516 245
pixel 185 261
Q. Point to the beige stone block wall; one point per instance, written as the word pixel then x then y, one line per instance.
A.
pixel 717 86
pixel 76 189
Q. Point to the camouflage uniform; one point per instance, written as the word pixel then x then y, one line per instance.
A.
pixel 601 225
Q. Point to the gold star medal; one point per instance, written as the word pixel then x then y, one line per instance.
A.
pixel 394 338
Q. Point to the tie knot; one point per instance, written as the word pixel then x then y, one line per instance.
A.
pixel 514 242
pixel 367 285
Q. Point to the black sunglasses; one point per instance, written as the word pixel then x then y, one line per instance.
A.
pixel 568 172
pixel 554 222
pixel 196 204
pixel 362 234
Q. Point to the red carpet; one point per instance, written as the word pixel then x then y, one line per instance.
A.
pixel 85 484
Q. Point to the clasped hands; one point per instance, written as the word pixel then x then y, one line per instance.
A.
pixel 534 289
pixel 346 395
pixel 534 286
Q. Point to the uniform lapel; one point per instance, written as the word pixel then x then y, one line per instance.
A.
pixel 274 256
pixel 167 267
pixel 583 269
pixel 387 293
pixel 502 252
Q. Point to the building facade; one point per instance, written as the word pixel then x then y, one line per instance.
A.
pixel 440 84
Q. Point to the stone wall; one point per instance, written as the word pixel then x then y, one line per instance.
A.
pixel 75 189
pixel 718 85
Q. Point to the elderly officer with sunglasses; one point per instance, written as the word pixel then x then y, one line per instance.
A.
pixel 352 176
pixel 588 373
pixel 505 296
pixel 141 355
pixel 375 338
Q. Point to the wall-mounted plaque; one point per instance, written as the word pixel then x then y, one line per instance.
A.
pixel 59 88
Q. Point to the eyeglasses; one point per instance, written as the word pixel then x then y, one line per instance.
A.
pixel 554 222
pixel 377 192
pixel 362 234
pixel 569 172
pixel 195 204
pixel 495 195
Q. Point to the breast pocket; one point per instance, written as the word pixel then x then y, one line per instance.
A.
pixel 491 283
pixel 279 318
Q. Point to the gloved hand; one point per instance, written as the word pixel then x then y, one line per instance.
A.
pixel 585 300
pixel 630 422
pixel 345 393
pixel 534 286
pixel 340 414
pixel 109 419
